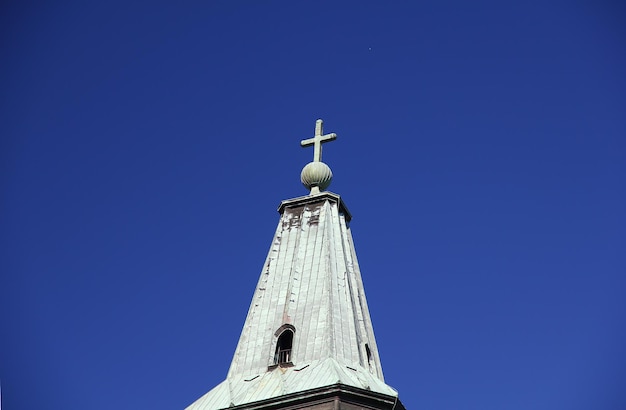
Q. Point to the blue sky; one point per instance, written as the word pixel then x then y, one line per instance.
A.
pixel 146 146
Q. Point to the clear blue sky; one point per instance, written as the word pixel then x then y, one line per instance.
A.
pixel 145 148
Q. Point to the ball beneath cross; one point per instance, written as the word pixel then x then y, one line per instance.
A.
pixel 316 174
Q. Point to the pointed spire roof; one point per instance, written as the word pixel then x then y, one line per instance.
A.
pixel 308 325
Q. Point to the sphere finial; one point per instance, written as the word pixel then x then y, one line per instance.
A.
pixel 316 176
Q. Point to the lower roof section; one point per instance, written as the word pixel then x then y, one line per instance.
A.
pixel 284 384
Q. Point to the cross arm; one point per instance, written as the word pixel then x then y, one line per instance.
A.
pixel 308 142
pixel 322 139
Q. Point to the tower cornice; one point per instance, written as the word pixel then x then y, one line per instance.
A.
pixel 315 198
pixel 327 397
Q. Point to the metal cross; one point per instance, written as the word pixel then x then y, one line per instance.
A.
pixel 318 140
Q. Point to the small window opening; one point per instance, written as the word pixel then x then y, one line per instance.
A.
pixel 369 353
pixel 283 347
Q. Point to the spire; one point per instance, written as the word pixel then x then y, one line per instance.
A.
pixel 308 334
pixel 316 175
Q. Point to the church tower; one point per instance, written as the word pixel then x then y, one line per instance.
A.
pixel 308 340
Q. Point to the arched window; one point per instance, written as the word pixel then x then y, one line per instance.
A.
pixel 369 353
pixel 283 347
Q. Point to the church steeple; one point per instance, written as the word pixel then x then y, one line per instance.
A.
pixel 308 336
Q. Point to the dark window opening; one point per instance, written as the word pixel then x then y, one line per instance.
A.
pixel 369 353
pixel 283 347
